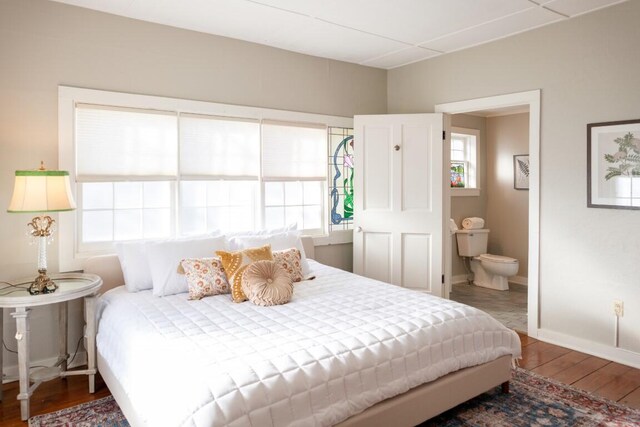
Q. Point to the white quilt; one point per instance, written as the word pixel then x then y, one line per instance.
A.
pixel 341 345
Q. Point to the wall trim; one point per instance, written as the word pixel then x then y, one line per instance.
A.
pixel 462 278
pixel 458 279
pixel 532 99
pixel 615 354
pixel 10 372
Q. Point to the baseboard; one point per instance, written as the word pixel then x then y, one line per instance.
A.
pixel 604 351
pixel 457 280
pixel 11 371
pixel 462 278
pixel 519 280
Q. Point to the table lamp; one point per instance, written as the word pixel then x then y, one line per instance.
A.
pixel 41 191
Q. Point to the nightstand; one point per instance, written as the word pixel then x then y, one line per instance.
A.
pixel 70 286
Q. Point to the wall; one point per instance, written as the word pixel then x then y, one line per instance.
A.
pixel 45 44
pixel 507 209
pixel 587 70
pixel 468 206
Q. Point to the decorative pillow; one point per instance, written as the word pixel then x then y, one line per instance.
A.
pixel 278 242
pixel 205 277
pixel 164 259
pixel 235 263
pixel 265 283
pixel 291 261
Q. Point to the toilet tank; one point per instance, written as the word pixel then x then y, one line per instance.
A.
pixel 472 242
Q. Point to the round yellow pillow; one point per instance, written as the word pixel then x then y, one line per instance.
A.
pixel 265 283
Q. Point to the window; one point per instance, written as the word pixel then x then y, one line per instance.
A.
pixel 155 168
pixel 464 162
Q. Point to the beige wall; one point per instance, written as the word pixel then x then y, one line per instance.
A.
pixel 507 209
pixel 468 206
pixel 44 44
pixel 340 255
pixel 587 70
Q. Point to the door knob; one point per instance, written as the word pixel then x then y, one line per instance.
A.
pixel 396 147
pixel 358 229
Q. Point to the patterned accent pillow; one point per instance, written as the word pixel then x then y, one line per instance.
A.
pixel 291 261
pixel 235 263
pixel 205 277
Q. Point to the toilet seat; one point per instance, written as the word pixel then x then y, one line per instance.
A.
pixel 498 258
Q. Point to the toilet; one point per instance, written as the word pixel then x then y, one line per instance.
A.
pixel 489 271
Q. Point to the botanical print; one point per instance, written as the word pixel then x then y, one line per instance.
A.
pixel 614 165
pixel 626 159
pixel 521 172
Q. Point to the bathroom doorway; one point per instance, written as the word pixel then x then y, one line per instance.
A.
pixel 495 142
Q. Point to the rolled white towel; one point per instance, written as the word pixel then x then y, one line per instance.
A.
pixel 473 223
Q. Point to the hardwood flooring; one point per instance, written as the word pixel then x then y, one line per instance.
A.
pixel 598 376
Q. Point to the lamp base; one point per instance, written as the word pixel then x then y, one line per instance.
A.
pixel 43 284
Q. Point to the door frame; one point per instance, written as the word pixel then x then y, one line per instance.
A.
pixel 532 99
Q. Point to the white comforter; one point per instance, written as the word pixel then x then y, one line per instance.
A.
pixel 341 345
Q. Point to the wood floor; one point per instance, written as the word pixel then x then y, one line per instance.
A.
pixel 598 376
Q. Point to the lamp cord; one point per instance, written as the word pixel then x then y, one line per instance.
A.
pixel 42 366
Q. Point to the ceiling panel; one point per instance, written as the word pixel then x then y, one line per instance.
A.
pixel 253 22
pixel 401 57
pixel 578 7
pixel 519 22
pixel 409 21
pixel 379 33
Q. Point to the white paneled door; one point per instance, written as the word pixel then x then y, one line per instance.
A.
pixel 400 205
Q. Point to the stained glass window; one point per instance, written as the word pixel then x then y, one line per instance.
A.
pixel 340 178
pixel 458 177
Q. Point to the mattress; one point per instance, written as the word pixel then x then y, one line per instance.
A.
pixel 343 344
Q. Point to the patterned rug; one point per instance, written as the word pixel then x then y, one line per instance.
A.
pixel 533 401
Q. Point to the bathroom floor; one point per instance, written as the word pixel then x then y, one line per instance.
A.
pixel 508 307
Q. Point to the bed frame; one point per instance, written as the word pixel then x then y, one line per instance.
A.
pixel 408 409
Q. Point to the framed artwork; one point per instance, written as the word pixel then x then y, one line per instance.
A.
pixel 521 171
pixel 613 165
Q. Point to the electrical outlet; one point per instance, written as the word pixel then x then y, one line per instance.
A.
pixel 618 308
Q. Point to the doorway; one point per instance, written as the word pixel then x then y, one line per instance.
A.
pixel 492 106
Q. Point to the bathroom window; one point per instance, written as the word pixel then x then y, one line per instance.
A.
pixel 464 162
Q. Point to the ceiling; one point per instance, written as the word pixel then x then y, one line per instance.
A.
pixel 377 33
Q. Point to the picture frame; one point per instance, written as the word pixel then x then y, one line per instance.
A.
pixel 613 165
pixel 521 172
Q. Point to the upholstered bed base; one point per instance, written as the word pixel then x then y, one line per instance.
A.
pixel 408 409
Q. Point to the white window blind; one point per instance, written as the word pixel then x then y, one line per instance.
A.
pixel 293 151
pixel 122 142
pixel 216 146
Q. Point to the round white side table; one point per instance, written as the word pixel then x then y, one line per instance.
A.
pixel 70 286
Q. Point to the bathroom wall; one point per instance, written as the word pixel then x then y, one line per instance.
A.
pixel 507 209
pixel 466 206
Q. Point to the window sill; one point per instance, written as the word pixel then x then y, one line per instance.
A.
pixel 465 192
pixel 335 238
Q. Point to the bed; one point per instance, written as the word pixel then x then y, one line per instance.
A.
pixel 347 351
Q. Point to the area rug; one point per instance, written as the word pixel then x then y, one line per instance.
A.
pixel 532 401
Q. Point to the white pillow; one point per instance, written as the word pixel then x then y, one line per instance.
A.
pixel 264 232
pixel 133 261
pixel 164 258
pixel 278 242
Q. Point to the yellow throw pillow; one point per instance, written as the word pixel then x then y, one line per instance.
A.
pixel 235 263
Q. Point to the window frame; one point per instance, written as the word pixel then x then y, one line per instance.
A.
pixel 70 256
pixel 471 161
